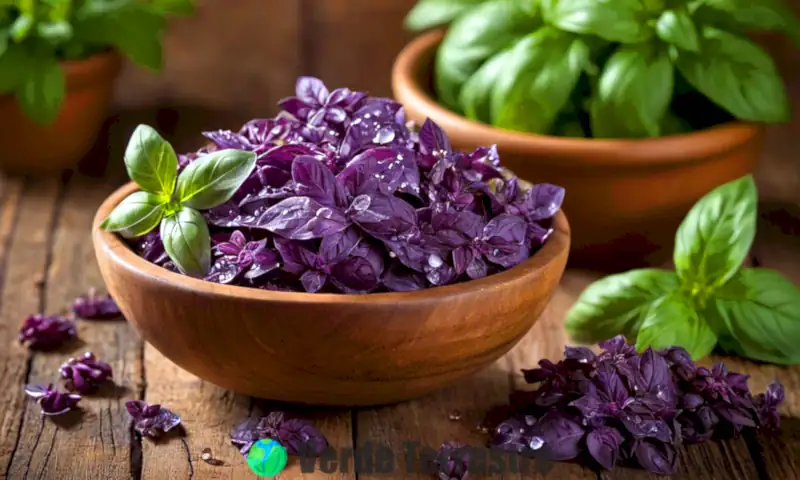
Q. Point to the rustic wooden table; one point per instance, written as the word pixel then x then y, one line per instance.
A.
pixel 46 259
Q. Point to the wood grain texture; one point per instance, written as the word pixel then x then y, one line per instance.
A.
pixel 48 447
pixel 12 359
pixel 208 414
pixel 22 295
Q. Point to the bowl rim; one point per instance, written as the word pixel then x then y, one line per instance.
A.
pixel 671 149
pixel 117 252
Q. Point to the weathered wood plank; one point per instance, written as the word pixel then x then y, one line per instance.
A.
pixel 103 428
pixel 208 414
pixel 12 360
pixel 28 262
pixel 353 43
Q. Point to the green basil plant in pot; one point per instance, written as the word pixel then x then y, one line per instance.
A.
pixel 710 300
pixel 640 107
pixel 58 63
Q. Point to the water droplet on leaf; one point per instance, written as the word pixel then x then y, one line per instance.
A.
pixel 435 261
pixel 383 136
pixel 536 443
pixel 361 203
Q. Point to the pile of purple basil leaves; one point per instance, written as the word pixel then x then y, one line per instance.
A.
pixel 623 408
pixel 348 197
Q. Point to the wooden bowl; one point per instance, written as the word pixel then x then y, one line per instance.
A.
pixel 625 198
pixel 328 349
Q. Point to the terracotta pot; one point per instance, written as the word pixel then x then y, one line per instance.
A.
pixel 29 148
pixel 625 198
pixel 328 349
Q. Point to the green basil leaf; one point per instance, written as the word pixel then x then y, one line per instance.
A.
pixel 474 37
pixel 737 75
pixel 213 178
pixel 137 214
pixel 677 28
pixel 748 15
pixel 713 240
pixel 41 92
pixel 14 67
pixel 54 32
pixel 633 93
pixel 433 13
pixel 617 304
pixel 539 75
pixel 131 26
pixel 151 162
pixel 757 314
pixel 612 20
pixel 672 124
pixel 476 94
pixel 22 27
pixel 674 321
pixel 187 241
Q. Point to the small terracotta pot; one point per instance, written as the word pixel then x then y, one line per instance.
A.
pixel 322 348
pixel 29 148
pixel 625 198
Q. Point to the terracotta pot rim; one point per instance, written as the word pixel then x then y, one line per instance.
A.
pixel 91 70
pixel 681 148
pixel 86 72
pixel 112 246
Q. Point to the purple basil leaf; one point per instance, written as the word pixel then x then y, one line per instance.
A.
pixel 338 246
pixel 296 258
pixel 314 180
pixel 151 420
pixel 373 254
pixel 253 429
pixel 557 437
pixel 296 107
pixel 659 458
pixel 399 278
pixel 45 333
pixel 301 218
pixel 299 436
pixel 381 169
pixel 263 262
pixel 85 373
pixel 504 240
pixel 543 201
pixel 51 401
pixel 382 216
pixel 224 270
pixel 452 460
pixel 604 446
pixel 312 91
pixel 354 275
pixel 228 139
pixel 313 280
pixel 433 140
pixel 95 306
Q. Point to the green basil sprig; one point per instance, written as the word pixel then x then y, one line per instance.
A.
pixel 520 64
pixel 36 36
pixel 710 299
pixel 172 201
